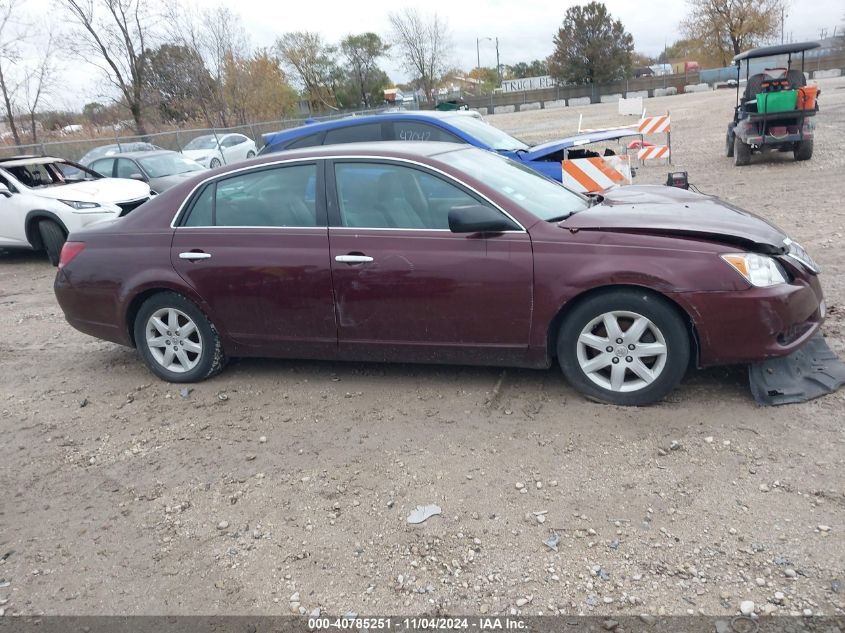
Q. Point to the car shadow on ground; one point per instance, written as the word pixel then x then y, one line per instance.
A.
pixel 22 256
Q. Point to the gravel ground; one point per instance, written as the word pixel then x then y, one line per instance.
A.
pixel 283 487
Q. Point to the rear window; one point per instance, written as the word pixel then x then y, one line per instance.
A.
pixel 354 134
pixel 311 140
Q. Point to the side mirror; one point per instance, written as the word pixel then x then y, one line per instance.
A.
pixel 137 176
pixel 477 218
pixel 4 191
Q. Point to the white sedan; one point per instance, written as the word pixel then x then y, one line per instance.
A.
pixel 42 199
pixel 212 150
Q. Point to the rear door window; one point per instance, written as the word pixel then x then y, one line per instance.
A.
pixel 277 197
pixel 363 133
pixel 419 131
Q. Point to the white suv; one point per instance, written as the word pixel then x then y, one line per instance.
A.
pixel 42 199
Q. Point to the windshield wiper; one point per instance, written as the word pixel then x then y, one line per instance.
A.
pixel 560 218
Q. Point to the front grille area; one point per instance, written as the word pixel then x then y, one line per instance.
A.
pixel 126 207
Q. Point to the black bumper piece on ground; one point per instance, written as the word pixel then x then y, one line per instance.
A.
pixel 809 372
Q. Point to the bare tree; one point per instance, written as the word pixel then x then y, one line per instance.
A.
pixel 731 26
pixel 361 53
pixel 10 39
pixel 40 79
pixel 311 61
pixel 423 44
pixel 116 32
pixel 218 35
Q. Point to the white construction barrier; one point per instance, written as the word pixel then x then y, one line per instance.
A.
pixel 557 103
pixel 579 101
pixel 610 98
pixel 505 109
pixel 526 107
pixel 637 93
pixel 589 175
pixel 665 92
pixel 827 74
pixel 631 106
pixel 697 88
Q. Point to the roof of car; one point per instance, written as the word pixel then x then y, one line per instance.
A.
pixel 18 161
pixel 371 149
pixel 140 153
pixel 318 126
pixel 779 49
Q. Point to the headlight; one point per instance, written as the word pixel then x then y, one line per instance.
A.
pixel 758 270
pixel 81 205
pixel 795 251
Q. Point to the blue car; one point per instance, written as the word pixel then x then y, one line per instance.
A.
pixel 450 127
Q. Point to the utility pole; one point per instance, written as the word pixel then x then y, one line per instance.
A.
pixel 498 65
pixel 477 54
pixel 782 20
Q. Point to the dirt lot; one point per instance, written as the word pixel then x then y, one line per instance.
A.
pixel 284 486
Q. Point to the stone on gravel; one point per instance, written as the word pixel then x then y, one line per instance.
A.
pixel 746 607
pixel 222 525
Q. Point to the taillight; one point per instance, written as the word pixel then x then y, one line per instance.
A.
pixel 69 251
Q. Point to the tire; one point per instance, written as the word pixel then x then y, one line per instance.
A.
pixel 201 351
pixel 53 238
pixel 584 339
pixel 803 150
pixel 214 164
pixel 250 154
pixel 729 141
pixel 742 152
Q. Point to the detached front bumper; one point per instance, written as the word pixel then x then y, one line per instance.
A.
pixel 757 324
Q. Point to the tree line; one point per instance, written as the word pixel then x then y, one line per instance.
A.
pixel 181 64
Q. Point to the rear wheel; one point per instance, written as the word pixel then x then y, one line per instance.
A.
pixel 742 152
pixel 176 340
pixel 729 142
pixel 803 150
pixel 53 238
pixel 250 154
pixel 626 347
pixel 214 164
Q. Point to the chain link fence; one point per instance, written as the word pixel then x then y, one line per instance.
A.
pixel 75 149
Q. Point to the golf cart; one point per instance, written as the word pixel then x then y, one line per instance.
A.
pixel 775 110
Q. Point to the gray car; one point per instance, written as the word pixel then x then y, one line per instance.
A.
pixel 162 169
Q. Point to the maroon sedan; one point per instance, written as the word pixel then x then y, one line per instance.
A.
pixel 440 253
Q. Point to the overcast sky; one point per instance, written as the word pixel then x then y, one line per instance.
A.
pixel 524 27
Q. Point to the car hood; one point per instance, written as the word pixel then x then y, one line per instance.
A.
pixel 657 209
pixel 163 183
pixel 102 190
pixel 538 152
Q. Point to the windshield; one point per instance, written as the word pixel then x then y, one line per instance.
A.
pixel 168 165
pixel 537 194
pixel 203 142
pixel 491 136
pixel 40 175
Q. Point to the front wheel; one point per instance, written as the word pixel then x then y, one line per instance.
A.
pixel 215 163
pixel 729 142
pixel 803 150
pixel 53 238
pixel 626 347
pixel 176 340
pixel 250 154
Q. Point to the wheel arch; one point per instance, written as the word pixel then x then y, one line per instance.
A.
pixel 566 308
pixel 31 226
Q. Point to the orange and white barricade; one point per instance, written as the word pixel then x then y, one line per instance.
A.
pixel 589 175
pixel 655 125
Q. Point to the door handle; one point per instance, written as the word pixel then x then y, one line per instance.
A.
pixel 353 259
pixel 192 255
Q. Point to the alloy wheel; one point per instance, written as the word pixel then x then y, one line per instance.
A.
pixel 173 340
pixel 622 351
